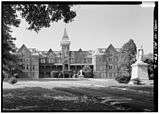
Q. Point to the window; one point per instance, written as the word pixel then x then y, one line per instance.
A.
pixel 47 73
pixel 27 59
pixel 50 60
pixel 23 60
pixel 72 60
pixel 27 67
pixel 20 60
pixel 85 60
pixel 41 73
pixel 53 67
pixel 48 67
pixel 41 67
pixel 110 66
pixel 33 67
pixel 43 60
pixel 110 75
pixel 23 67
pixel 110 59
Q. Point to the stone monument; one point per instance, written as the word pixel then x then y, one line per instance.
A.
pixel 139 68
pixel 81 74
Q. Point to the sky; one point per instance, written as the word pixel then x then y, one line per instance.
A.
pixel 95 26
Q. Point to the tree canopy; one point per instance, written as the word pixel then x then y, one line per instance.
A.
pixel 128 53
pixel 126 58
pixel 42 15
pixel 37 16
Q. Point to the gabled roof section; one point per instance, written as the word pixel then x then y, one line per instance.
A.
pixel 99 51
pixel 23 47
pixel 80 50
pixel 50 53
pixel 111 47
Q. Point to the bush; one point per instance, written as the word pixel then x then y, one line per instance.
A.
pixel 12 80
pixel 68 74
pixel 123 75
pixel 88 75
pixel 87 72
pixel 136 81
pixel 123 79
pixel 54 74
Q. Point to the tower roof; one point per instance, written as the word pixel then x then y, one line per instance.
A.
pixel 65 38
pixel 65 35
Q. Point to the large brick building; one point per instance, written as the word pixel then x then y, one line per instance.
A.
pixel 42 64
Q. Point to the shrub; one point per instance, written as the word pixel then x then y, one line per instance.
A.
pixel 123 75
pixel 68 74
pixel 12 80
pixel 122 79
pixel 87 72
pixel 136 81
pixel 54 74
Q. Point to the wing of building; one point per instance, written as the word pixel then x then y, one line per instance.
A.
pixel 43 64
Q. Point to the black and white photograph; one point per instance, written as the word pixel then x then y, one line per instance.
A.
pixel 79 56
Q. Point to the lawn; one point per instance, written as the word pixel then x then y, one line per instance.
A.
pixel 76 95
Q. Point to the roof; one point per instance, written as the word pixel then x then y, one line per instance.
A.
pixel 100 51
pixel 111 47
pixel 65 35
pixel 22 47
pixel 65 38
pixel 85 53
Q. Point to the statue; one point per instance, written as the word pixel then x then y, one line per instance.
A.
pixel 81 74
pixel 139 69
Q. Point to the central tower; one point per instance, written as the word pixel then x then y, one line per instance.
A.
pixel 65 45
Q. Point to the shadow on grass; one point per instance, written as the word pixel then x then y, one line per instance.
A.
pixel 72 99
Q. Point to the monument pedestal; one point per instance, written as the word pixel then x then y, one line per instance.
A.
pixel 81 76
pixel 139 72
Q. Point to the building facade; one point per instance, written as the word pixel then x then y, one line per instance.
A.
pixel 43 64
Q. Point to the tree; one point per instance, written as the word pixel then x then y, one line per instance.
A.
pixel 37 16
pixel 149 60
pixel 123 74
pixel 87 71
pixel 8 47
pixel 127 57
pixel 42 15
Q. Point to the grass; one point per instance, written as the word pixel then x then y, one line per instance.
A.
pixel 70 98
